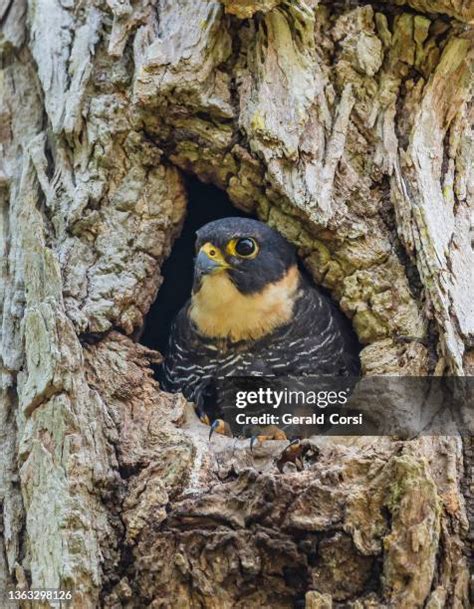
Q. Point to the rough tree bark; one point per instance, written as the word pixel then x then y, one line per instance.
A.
pixel 346 125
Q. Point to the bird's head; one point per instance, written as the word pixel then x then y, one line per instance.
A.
pixel 245 279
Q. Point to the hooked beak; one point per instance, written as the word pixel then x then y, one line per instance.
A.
pixel 207 265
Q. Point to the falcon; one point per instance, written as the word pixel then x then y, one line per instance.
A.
pixel 251 313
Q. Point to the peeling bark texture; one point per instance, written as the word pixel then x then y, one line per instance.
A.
pixel 248 8
pixel 345 125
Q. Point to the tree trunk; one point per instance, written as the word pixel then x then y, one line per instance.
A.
pixel 345 125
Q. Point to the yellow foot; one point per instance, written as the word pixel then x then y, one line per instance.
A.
pixel 203 418
pixel 220 426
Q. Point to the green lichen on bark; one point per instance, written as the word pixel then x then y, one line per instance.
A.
pixel 346 128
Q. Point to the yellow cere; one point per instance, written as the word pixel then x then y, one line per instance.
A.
pixel 214 253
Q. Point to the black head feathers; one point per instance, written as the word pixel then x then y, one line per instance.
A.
pixel 254 254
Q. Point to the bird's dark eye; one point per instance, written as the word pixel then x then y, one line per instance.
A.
pixel 245 247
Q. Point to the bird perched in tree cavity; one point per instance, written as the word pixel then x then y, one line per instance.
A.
pixel 252 313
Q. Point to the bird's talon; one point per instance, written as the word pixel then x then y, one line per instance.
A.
pixel 293 453
pixel 260 439
pixel 219 426
pixel 202 416
pixel 293 447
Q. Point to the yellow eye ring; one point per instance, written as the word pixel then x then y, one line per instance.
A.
pixel 243 247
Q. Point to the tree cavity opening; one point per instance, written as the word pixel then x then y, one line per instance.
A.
pixel 206 203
